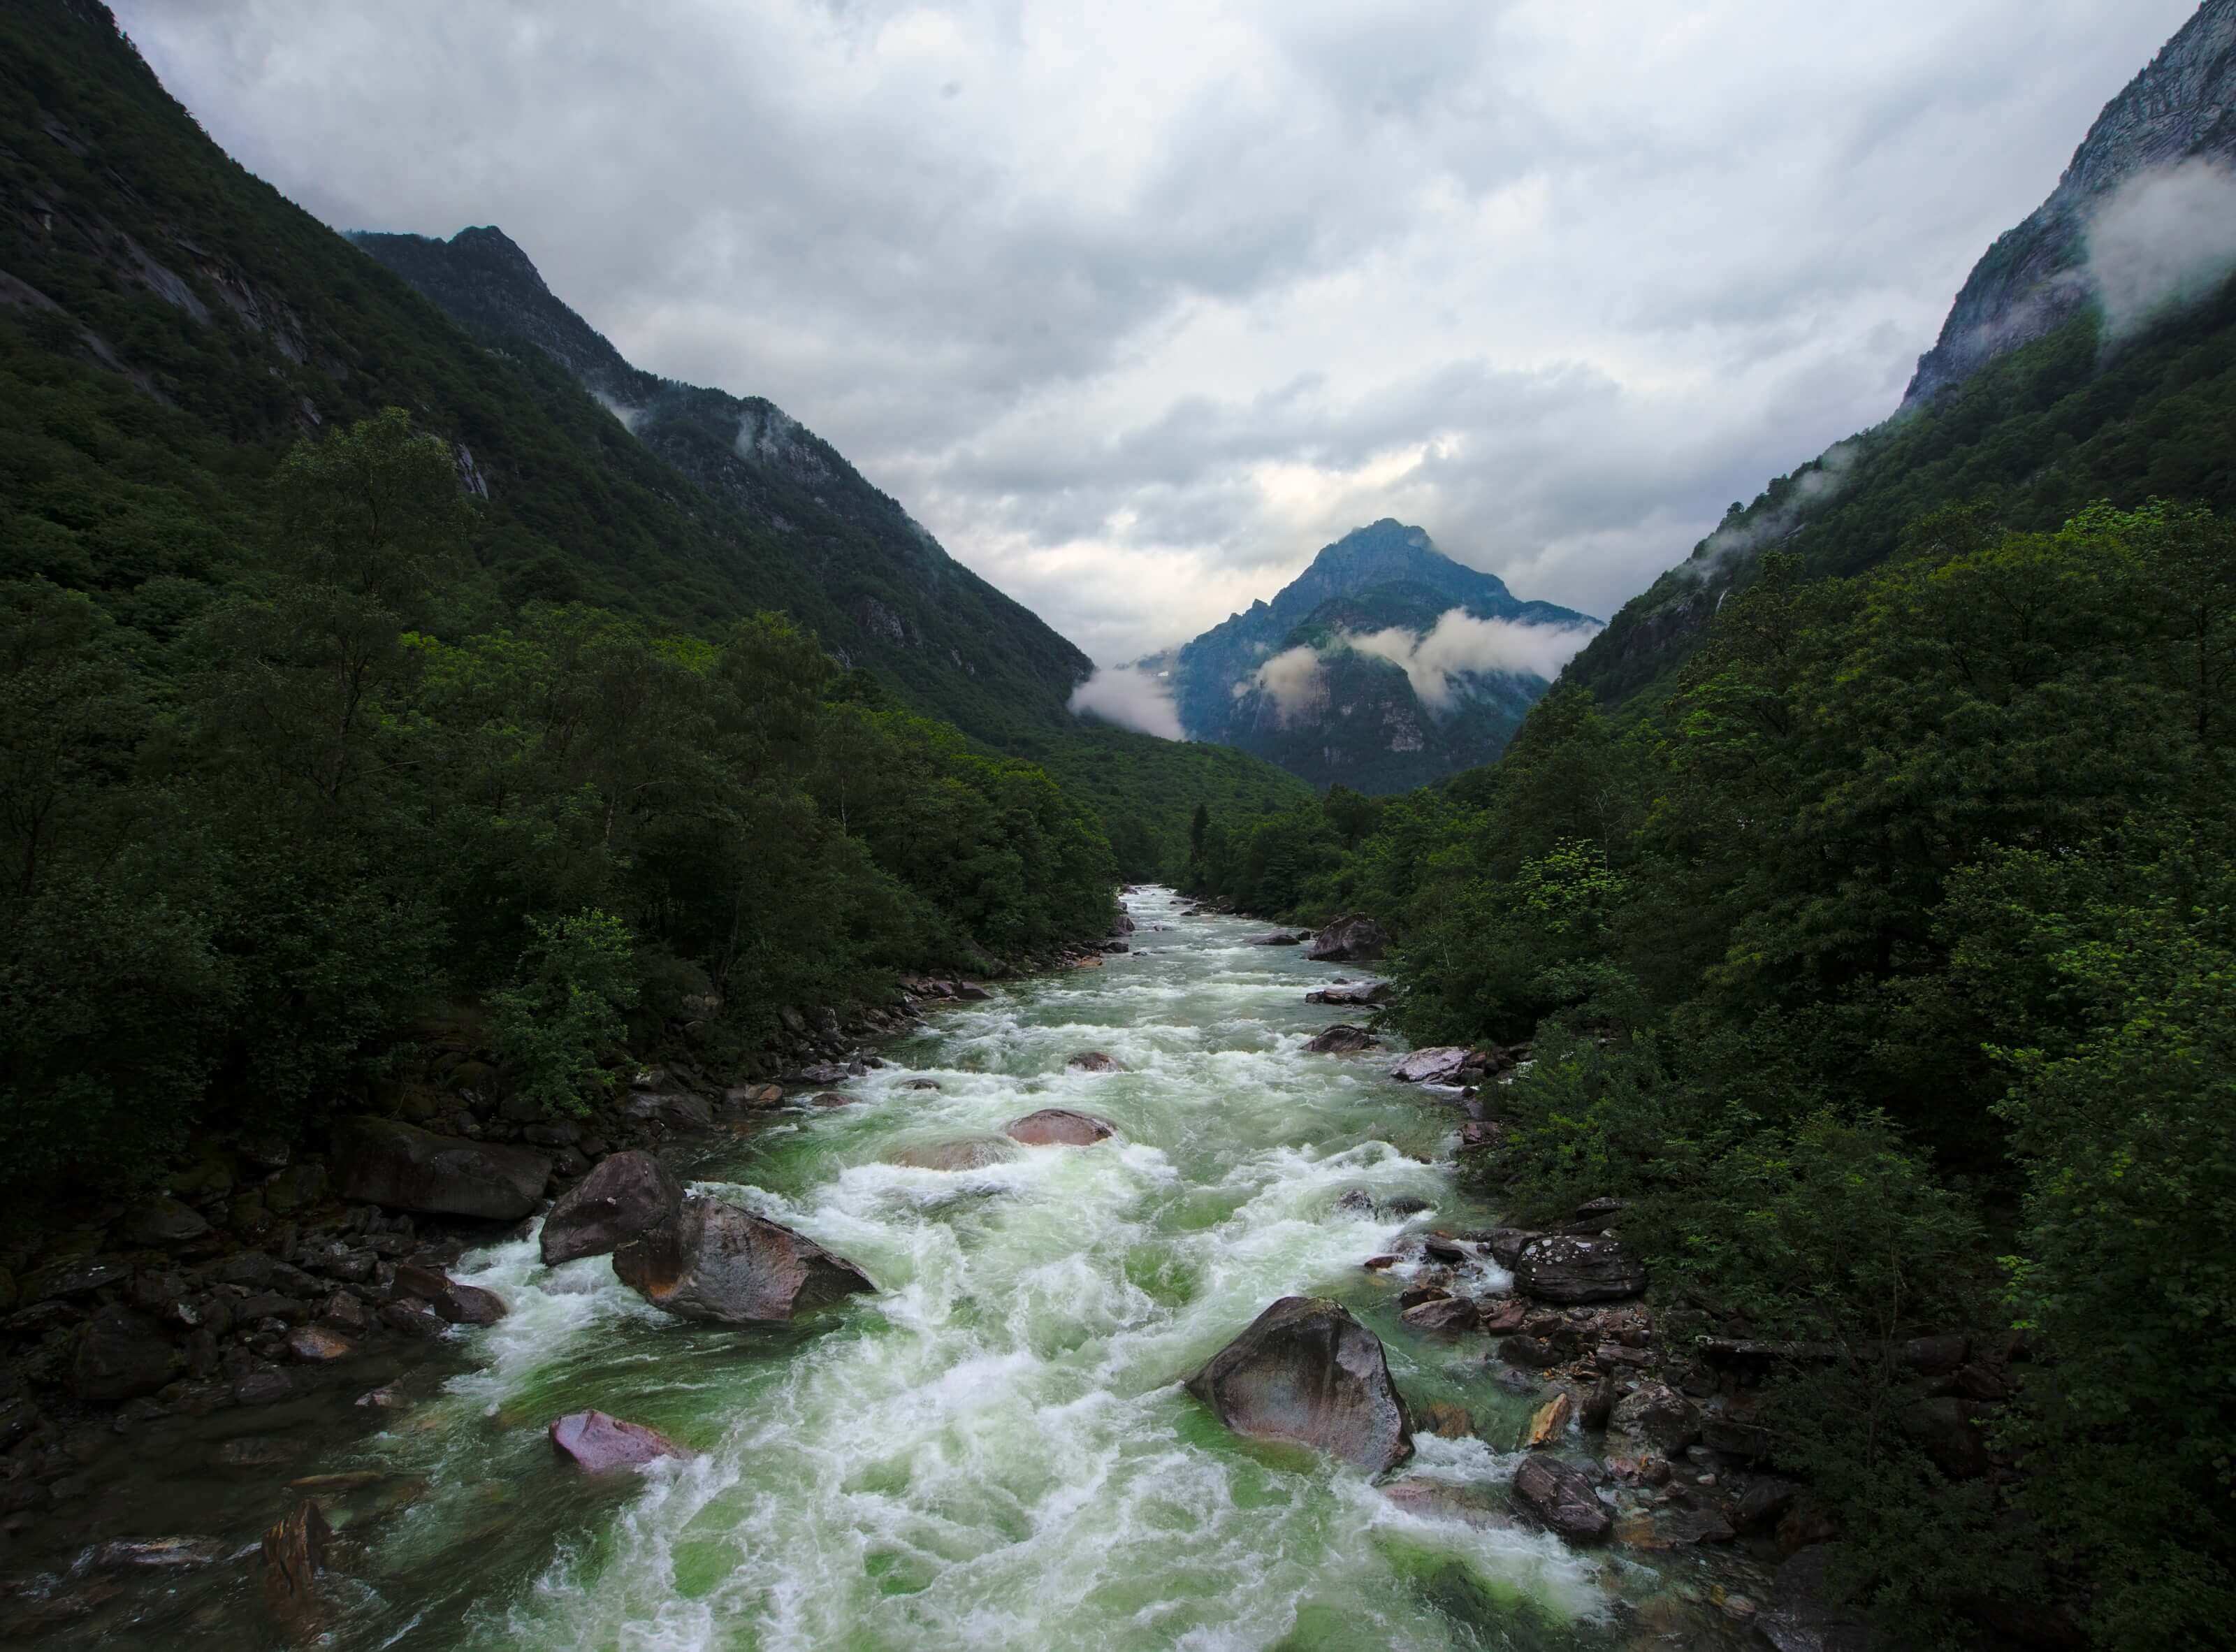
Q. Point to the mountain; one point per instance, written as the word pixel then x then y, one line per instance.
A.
pixel 2090 356
pixel 2040 274
pixel 1383 666
pixel 901 604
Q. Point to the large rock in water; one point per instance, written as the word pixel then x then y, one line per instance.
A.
pixel 1350 939
pixel 1342 1039
pixel 628 1194
pixel 1059 1127
pixel 716 1261
pixel 1561 1494
pixel 1561 1268
pixel 1305 1370
pixel 965 1153
pixel 383 1162
pixel 597 1444
pixel 1439 1065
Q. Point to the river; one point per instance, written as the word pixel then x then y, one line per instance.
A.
pixel 994 1451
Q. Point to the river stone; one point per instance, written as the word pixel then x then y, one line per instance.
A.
pixel 1439 1065
pixel 1558 1268
pixel 454 1303
pixel 1443 1316
pixel 970 1153
pixel 1365 992
pixel 1561 1494
pixel 1656 1415
pixel 1351 939
pixel 1093 1061
pixel 1342 1039
pixel 385 1162
pixel 595 1443
pixel 718 1263
pixel 294 1554
pixel 158 1554
pixel 122 1355
pixel 314 1345
pixel 1548 1421
pixel 627 1194
pixel 1305 1370
pixel 1059 1127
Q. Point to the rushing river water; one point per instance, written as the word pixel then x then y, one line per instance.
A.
pixel 994 1451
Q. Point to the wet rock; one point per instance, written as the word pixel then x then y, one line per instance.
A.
pixel 1653 1415
pixel 294 1555
pixel 1059 1127
pixel 1507 1244
pixel 598 1444
pixel 258 1451
pixel 969 1153
pixel 1360 994
pixel 1947 1430
pixel 160 1553
pixel 1305 1370
pixel 1354 1201
pixel 454 1303
pixel 165 1221
pixel 314 1345
pixel 831 1098
pixel 412 1316
pixel 120 1354
pixel 1443 1316
pixel 1549 1422
pixel 1505 1316
pixel 405 1168
pixel 1407 1205
pixel 676 1109
pixel 758 1098
pixel 1662 1530
pixel 1352 939
pixel 1342 1039
pixel 719 1263
pixel 1803 1617
pixel 919 1084
pixel 1518 1382
pixel 1560 1267
pixel 1447 1421
pixel 1561 1494
pixel 1439 1065
pixel 1093 1061
pixel 627 1194
pixel 972 992
pixel 266 1387
pixel 1533 1353
pixel 1279 938
pixel 1380 1263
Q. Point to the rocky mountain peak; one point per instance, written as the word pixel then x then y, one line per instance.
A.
pixel 2181 107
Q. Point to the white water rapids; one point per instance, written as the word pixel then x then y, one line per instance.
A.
pixel 994 1451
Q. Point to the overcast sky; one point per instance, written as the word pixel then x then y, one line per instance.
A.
pixel 1135 306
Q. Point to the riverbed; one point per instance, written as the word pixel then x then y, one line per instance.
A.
pixel 994 1449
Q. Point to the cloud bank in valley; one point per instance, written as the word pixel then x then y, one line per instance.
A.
pixel 1135 308
pixel 1131 697
pixel 1435 661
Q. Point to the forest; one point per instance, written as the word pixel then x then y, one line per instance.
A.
pixel 1887 968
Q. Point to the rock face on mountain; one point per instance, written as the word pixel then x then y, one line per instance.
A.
pixel 2037 274
pixel 1333 679
pixel 907 608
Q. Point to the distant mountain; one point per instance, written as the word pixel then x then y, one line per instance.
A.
pixel 907 609
pixel 2090 355
pixel 1383 666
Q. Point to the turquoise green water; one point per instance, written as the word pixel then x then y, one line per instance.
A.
pixel 994 1451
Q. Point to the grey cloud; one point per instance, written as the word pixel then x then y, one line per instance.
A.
pixel 1136 312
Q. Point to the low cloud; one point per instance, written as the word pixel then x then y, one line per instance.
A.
pixel 1460 645
pixel 1131 697
pixel 2164 238
pixel 1823 479
pixel 1295 681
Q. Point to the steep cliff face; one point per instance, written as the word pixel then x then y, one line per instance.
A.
pixel 965 649
pixel 2182 107
pixel 1383 666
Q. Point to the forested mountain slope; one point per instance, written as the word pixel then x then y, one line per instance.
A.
pixel 904 606
pixel 2062 375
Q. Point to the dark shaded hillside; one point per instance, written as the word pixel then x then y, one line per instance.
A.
pixel 905 607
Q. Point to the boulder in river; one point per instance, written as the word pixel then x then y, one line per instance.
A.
pixel 1561 1494
pixel 1362 992
pixel 295 1554
pixel 1279 938
pixel 455 1304
pixel 966 1153
pixel 1342 1039
pixel 1560 1268
pixel 1093 1061
pixel 1352 939
pixel 1443 1316
pixel 1059 1127
pixel 598 1444
pixel 1654 1416
pixel 716 1261
pixel 383 1162
pixel 1305 1370
pixel 1439 1065
pixel 628 1194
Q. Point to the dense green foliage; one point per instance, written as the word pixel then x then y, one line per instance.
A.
pixel 251 837
pixel 1909 916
